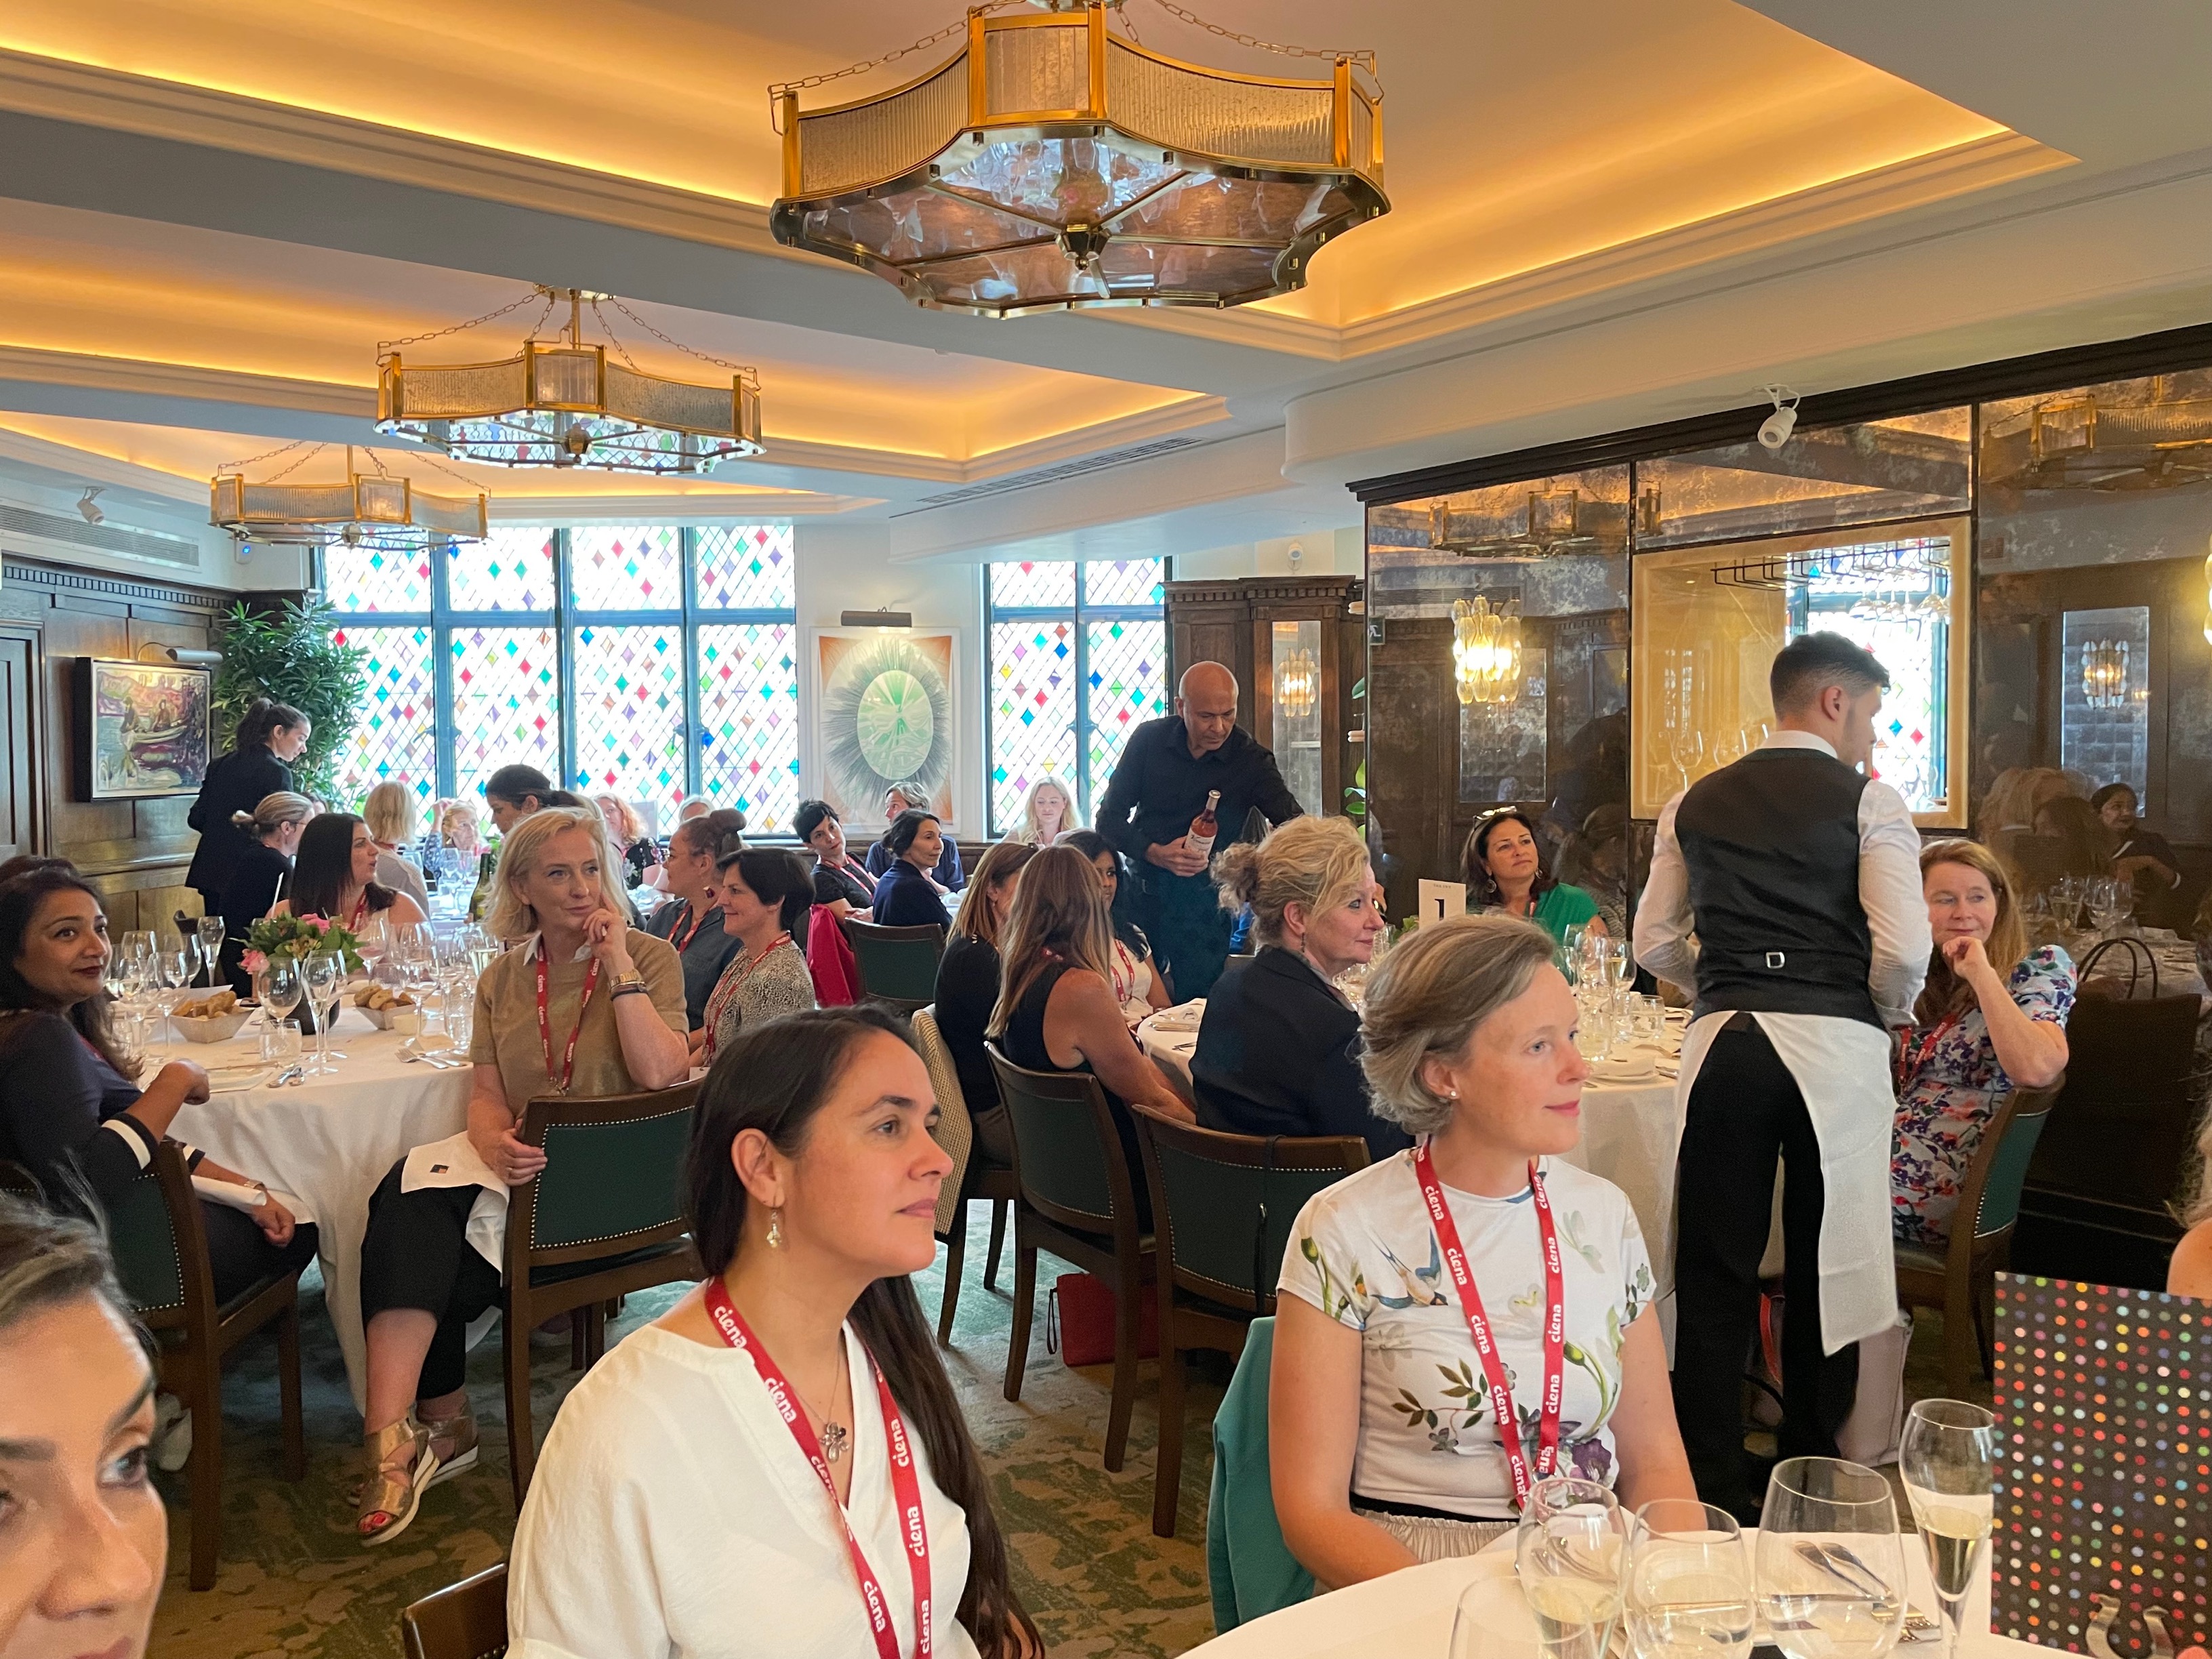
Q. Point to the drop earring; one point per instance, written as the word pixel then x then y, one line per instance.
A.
pixel 775 1229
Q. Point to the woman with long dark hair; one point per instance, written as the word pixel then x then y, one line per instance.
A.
pixel 968 989
pixel 334 876
pixel 677 1508
pixel 1503 865
pixel 271 735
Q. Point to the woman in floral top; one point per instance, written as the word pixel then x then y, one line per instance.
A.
pixel 1384 1448
pixel 1992 1018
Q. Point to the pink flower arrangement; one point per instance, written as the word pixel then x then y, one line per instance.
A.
pixel 252 960
pixel 296 937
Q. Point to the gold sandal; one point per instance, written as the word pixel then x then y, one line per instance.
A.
pixel 453 1441
pixel 403 1463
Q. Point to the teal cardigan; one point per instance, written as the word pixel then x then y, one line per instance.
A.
pixel 1250 1568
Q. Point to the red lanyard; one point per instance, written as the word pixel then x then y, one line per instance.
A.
pixel 1478 1326
pixel 360 911
pixel 906 1479
pixel 697 916
pixel 1912 1060
pixel 545 1024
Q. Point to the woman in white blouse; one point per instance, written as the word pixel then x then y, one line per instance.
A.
pixel 675 1511
pixel 1381 1420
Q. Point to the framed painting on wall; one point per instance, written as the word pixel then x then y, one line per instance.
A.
pixel 142 729
pixel 887 711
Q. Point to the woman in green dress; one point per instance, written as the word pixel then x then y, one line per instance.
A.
pixel 1503 868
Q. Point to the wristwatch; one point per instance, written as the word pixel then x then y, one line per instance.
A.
pixel 628 984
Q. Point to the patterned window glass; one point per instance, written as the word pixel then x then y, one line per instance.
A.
pixel 359 580
pixel 1033 706
pixel 1124 581
pixel 510 570
pixel 1028 585
pixel 628 692
pixel 748 720
pixel 1125 678
pixel 506 699
pixel 747 567
pixel 396 736
pixel 634 568
pixel 1896 610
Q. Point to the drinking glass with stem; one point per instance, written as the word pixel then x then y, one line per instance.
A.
pixel 1688 1587
pixel 1831 1564
pixel 211 930
pixel 283 985
pixel 324 974
pixel 1948 1459
pixel 1569 1552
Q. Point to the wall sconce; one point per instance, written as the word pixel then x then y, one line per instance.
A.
pixel 1487 651
pixel 2105 673
pixel 1297 683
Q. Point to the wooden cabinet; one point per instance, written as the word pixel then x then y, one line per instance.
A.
pixel 1297 646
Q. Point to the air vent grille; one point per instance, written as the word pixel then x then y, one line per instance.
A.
pixel 104 537
pixel 1058 473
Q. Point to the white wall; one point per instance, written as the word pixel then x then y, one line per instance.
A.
pixel 1325 553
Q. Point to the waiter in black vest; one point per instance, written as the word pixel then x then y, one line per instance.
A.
pixel 1800 876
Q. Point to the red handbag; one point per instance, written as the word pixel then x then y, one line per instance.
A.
pixel 1079 1315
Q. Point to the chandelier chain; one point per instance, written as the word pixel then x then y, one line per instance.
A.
pixel 385 348
pixel 1362 57
pixel 272 454
pixel 743 369
pixel 807 83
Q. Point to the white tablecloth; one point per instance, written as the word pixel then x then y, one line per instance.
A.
pixel 1408 1615
pixel 328 1140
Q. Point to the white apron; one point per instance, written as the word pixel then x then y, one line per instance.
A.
pixel 1842 1066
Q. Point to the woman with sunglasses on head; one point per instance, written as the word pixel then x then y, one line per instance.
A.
pixel 1503 868
pixel 778 1467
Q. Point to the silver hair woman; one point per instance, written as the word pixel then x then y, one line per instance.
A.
pixel 1470 1043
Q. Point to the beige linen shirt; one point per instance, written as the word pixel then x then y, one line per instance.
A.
pixel 506 1033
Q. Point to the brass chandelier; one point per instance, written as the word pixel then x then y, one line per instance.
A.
pixel 561 402
pixel 1049 165
pixel 376 509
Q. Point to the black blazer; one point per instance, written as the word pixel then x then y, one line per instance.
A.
pixel 258 880
pixel 1279 1054
pixel 967 992
pixel 904 898
pixel 235 783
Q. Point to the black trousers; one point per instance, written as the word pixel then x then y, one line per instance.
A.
pixel 240 1253
pixel 1745 1110
pixel 416 1254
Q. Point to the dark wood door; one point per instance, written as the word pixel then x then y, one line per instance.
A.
pixel 19 733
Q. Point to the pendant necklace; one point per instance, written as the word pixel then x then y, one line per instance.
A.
pixel 834 1435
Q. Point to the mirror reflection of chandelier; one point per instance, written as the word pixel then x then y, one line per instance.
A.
pixel 1050 165
pixel 562 403
pixel 1297 683
pixel 2105 673
pixel 378 509
pixel 1487 651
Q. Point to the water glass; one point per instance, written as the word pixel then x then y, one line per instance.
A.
pixel 1491 1621
pixel 1569 1552
pixel 1948 1459
pixel 280 1042
pixel 1831 1564
pixel 1688 1594
pixel 211 930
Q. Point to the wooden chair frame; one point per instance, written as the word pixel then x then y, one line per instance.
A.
pixel 976 1179
pixel 859 933
pixel 467 1620
pixel 526 1305
pixel 1107 1245
pixel 1196 1310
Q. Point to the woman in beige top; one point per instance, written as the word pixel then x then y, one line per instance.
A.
pixel 614 1022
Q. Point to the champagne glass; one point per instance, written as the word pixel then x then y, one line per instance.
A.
pixel 211 930
pixel 1831 1564
pixel 1688 1592
pixel 1569 1550
pixel 325 973
pixel 1948 1459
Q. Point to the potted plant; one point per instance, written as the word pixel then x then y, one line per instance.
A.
pixel 294 655
pixel 295 938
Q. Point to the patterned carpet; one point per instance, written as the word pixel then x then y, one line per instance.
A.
pixel 294 1581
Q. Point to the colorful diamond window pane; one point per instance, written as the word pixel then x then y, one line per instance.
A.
pixel 505 689
pixel 511 569
pixel 1124 581
pixel 747 567
pixel 1028 584
pixel 630 568
pixel 1126 678
pixel 364 580
pixel 628 696
pixel 395 739
pixel 749 721
pixel 1033 711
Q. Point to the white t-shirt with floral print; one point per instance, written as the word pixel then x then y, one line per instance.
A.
pixel 1364 1253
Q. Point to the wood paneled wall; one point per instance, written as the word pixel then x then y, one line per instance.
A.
pixel 134 852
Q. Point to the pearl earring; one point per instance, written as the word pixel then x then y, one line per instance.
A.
pixel 775 1229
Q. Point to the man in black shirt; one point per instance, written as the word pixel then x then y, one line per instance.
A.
pixel 1160 785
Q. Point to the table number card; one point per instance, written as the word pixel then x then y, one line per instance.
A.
pixel 1441 900
pixel 2103 1539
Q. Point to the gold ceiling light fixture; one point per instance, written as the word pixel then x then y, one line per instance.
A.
pixel 1297 683
pixel 561 402
pixel 1050 165
pixel 1487 651
pixel 376 509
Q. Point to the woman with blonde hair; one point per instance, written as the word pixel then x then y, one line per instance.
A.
pixel 1046 815
pixel 459 828
pixel 626 833
pixel 389 812
pixel 1427 1272
pixel 1991 1018
pixel 1278 1046
pixel 584 1005
pixel 968 989
pixel 262 874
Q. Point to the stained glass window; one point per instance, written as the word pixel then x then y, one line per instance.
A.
pixel 1125 680
pixel 628 689
pixel 748 720
pixel 363 578
pixel 1029 585
pixel 1124 581
pixel 506 700
pixel 635 568
pixel 1033 706
pixel 395 737
pixel 746 567
pixel 512 569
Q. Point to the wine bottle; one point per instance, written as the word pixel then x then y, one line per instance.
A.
pixel 480 900
pixel 1206 827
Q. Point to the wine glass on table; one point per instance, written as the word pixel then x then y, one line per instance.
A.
pixel 1569 1552
pixel 1948 1459
pixel 283 985
pixel 211 930
pixel 1688 1590
pixel 1831 1564
pixel 324 974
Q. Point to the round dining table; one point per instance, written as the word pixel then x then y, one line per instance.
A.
pixel 327 1140
pixel 1408 1615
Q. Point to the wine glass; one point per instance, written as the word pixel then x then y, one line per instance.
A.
pixel 325 973
pixel 283 985
pixel 211 930
pixel 1688 1590
pixel 1569 1550
pixel 1831 1564
pixel 372 941
pixel 1948 1459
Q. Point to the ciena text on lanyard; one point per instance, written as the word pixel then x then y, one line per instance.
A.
pixel 1502 1412
pixel 906 1477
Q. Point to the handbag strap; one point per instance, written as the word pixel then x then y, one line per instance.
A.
pixel 2137 952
